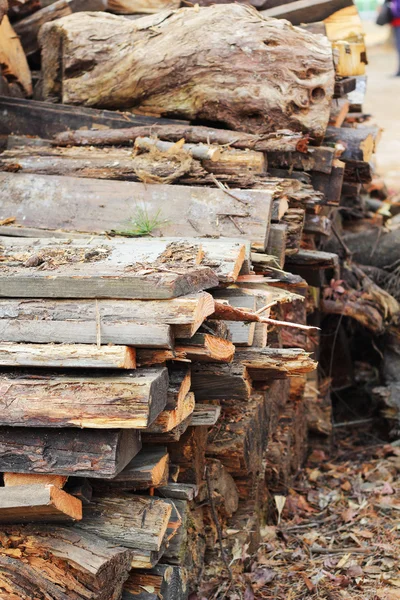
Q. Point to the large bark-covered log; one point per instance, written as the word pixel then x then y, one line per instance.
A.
pixel 83 453
pixel 99 268
pixel 283 141
pixel 240 58
pixel 129 401
pixel 60 563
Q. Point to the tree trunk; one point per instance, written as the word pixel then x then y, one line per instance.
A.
pixel 233 42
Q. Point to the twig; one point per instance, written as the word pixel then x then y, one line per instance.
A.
pixel 216 522
pixel 356 422
pixel 341 241
pixel 349 549
pixel 291 325
pixel 223 188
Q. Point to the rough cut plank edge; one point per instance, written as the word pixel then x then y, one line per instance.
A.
pixel 79 356
pixel 24 504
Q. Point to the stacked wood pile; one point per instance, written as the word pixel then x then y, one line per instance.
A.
pixel 164 275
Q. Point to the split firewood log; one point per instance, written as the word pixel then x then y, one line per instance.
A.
pixel 248 73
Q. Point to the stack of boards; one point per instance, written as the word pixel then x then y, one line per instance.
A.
pixel 160 284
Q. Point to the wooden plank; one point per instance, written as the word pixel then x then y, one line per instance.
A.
pixel 61 563
pixel 79 356
pixel 45 119
pixel 313 259
pixel 12 58
pixel 224 256
pixel 101 268
pixel 147 469
pixel 318 159
pixel 130 401
pixel 203 347
pixel 205 414
pixel 215 382
pixel 13 479
pixel 139 323
pixel 265 363
pixel 344 86
pixel 277 242
pixel 168 419
pixel 97 205
pixel 330 185
pixel 85 453
pixel 29 503
pixel 141 524
pixel 180 403
pixel 180 491
pixel 133 7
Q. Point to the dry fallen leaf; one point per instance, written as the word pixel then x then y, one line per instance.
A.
pixel 280 502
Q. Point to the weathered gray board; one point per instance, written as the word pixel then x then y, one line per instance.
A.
pixel 99 268
pixel 139 323
pixel 97 205
pixel 97 453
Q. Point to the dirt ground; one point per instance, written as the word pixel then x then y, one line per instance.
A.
pixel 383 102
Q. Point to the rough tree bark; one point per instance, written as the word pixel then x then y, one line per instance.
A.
pixel 224 63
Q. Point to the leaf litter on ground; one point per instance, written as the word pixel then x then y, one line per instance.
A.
pixel 338 536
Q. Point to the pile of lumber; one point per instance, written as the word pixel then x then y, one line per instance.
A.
pixel 169 235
